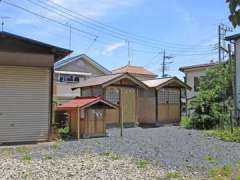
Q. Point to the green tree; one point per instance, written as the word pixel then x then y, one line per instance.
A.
pixel 234 7
pixel 212 106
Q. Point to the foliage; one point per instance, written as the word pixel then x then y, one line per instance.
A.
pixel 172 175
pixel 141 164
pixel 221 173
pixel 212 106
pixel 64 132
pixel 225 134
pixel 210 158
pixel 234 16
pixel 185 122
pixel 26 158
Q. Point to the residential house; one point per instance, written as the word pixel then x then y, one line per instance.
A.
pixel 137 71
pixel 71 72
pixel 26 86
pixel 192 77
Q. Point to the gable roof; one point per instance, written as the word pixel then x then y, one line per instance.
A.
pixel 133 70
pixel 58 52
pixel 233 37
pixel 161 82
pixel 86 58
pixel 84 102
pixel 109 79
pixel 196 66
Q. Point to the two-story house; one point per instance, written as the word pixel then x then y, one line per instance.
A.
pixel 192 77
pixel 71 72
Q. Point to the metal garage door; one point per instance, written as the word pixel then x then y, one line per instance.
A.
pixel 24 104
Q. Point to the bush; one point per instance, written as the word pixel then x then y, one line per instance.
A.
pixel 64 132
pixel 213 104
pixel 186 122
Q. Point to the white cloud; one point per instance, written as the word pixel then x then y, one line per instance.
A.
pixel 186 16
pixel 112 47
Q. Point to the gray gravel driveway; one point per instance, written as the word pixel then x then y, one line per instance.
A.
pixel 173 147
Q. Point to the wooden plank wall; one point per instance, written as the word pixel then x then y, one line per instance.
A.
pixel 146 110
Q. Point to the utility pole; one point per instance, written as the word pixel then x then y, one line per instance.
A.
pixel 232 68
pixel 164 63
pixel 3 22
pixel 222 49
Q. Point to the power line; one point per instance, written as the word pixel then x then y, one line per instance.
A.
pixel 62 24
pixel 44 17
pixel 108 27
pixel 96 28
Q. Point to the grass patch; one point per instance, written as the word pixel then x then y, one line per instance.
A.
pixel 221 173
pixel 23 149
pixel 210 159
pixel 48 157
pixel 6 151
pixel 26 158
pixel 173 175
pixel 185 122
pixel 113 156
pixel 142 163
pixel 225 134
pixel 54 146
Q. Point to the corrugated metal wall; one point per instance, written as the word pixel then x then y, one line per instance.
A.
pixel 24 104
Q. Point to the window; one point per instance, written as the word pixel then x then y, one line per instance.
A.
pixel 168 96
pixel 69 78
pixel 196 83
pixel 112 95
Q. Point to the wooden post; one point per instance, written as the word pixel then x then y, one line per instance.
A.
pixel 78 123
pixel 121 113
pixel 156 104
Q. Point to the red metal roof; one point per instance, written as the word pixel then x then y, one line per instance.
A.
pixel 83 102
pixel 79 102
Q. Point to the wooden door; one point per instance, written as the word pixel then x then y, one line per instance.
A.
pixel 128 105
pixel 169 105
pixel 95 122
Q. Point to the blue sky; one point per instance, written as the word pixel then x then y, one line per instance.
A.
pixel 187 29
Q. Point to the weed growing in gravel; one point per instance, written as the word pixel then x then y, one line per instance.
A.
pixel 23 149
pixel 26 158
pixel 172 175
pixel 6 151
pixel 210 158
pixel 224 172
pixel 142 164
pixel 48 157
pixel 113 156
pixel 54 146
pixel 105 154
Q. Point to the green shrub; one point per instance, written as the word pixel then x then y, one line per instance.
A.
pixel 26 158
pixel 64 132
pixel 185 122
pixel 225 134
pixel 141 163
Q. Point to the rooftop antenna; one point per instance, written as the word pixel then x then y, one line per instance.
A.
pixel 2 21
pixel 129 55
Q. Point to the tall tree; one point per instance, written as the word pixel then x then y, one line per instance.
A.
pixel 234 7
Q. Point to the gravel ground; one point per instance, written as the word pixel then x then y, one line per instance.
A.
pixel 164 149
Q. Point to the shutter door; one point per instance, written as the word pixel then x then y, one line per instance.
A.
pixel 24 104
